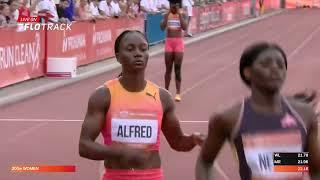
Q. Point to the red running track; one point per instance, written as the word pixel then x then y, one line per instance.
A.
pixel 210 82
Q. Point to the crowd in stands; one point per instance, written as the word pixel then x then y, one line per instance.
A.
pixel 65 11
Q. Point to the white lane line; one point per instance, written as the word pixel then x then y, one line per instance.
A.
pixel 221 171
pixel 72 120
pixel 304 42
pixel 26 131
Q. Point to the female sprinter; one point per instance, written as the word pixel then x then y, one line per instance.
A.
pixel 130 112
pixel 175 23
pixel 263 123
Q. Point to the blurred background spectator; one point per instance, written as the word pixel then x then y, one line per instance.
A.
pixel 5 17
pixel 123 4
pixel 115 9
pixel 14 5
pixel 4 1
pixel 69 11
pixel 163 5
pixel 82 11
pixel 105 7
pixel 94 9
pixel 133 8
pixel 149 6
pixel 63 4
pixel 78 10
pixel 48 7
pixel 187 6
pixel 24 10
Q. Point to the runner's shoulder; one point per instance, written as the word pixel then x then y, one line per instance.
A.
pixel 166 99
pixel 227 118
pixel 100 98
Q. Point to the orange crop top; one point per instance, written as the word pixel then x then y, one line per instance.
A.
pixel 134 118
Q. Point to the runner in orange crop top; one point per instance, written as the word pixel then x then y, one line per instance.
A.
pixel 130 112
pixel 175 22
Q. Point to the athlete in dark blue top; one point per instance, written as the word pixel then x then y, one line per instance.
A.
pixel 263 123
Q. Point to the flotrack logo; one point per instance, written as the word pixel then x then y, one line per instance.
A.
pixel 33 23
pixel 48 27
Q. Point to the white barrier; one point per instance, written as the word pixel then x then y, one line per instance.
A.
pixel 62 67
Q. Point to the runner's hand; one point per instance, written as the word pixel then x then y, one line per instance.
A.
pixel 307 96
pixel 311 97
pixel 198 138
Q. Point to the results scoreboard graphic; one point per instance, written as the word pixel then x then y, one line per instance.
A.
pixel 291 162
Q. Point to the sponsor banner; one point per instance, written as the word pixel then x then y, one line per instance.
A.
pixel 88 41
pixel 21 55
pixel 74 43
pixel 209 17
pixel 22 52
pixel 214 15
pixel 194 21
pixel 229 12
pixel 245 9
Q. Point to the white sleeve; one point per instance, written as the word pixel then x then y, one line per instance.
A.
pixel 155 4
pixel 166 3
pixel 158 3
pixel 16 14
pixel 92 9
pixel 118 8
pixel 144 3
pixel 43 6
pixel 102 6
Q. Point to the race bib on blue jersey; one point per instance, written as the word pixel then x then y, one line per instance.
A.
pixel 259 149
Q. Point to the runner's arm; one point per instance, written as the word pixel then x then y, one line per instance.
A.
pixel 171 126
pixel 306 104
pixel 93 123
pixel 211 147
pixel 313 142
pixel 313 148
pixel 164 22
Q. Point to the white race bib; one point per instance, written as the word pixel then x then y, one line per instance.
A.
pixel 135 131
pixel 174 23
pixel 259 149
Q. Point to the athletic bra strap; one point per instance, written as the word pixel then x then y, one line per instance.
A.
pixel 294 113
pixel 236 128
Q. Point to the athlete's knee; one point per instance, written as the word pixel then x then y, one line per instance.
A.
pixel 167 76
pixel 177 71
pixel 168 71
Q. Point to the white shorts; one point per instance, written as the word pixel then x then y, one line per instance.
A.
pixel 188 10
